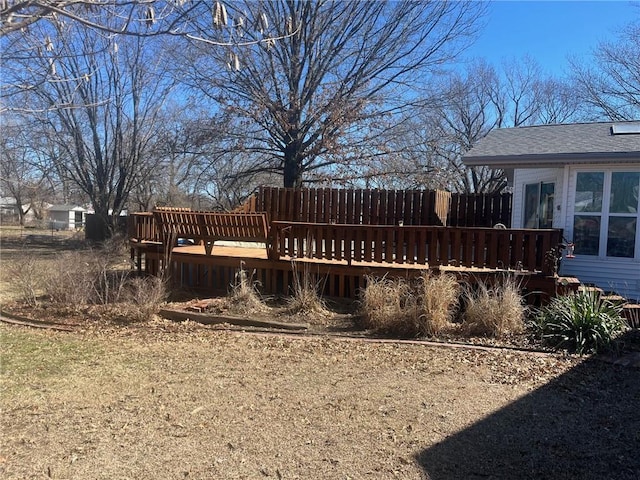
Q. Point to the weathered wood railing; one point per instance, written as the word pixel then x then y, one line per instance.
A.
pixel 429 245
pixel 142 227
pixel 518 249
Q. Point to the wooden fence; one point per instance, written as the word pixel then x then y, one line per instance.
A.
pixel 454 246
pixel 381 207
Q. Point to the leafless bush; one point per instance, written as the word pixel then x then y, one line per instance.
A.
pixel 25 275
pixel 91 276
pixel 144 296
pixel 494 311
pixel 69 280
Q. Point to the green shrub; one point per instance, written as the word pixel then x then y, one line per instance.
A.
pixel 581 323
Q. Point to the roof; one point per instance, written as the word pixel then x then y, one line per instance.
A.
pixel 547 145
pixel 66 208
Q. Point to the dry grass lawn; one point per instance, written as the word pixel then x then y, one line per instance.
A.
pixel 162 400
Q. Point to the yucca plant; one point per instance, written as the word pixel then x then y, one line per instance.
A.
pixel 581 323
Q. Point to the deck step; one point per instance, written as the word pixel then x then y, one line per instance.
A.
pixel 589 288
pixel 631 312
pixel 618 299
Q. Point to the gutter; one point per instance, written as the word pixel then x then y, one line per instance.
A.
pixel 550 160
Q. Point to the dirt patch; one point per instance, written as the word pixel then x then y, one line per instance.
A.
pixel 191 401
pixel 160 399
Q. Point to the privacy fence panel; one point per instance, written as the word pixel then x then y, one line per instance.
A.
pixel 381 207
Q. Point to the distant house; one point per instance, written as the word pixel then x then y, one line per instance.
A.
pixel 9 212
pixel 583 178
pixel 66 217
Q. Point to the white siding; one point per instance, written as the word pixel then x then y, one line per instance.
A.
pixel 526 176
pixel 621 275
pixel 616 275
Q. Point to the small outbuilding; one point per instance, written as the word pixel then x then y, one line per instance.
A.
pixel 583 178
pixel 66 217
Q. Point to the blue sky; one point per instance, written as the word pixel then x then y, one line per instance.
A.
pixel 549 31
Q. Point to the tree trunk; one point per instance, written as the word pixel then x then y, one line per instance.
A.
pixel 292 170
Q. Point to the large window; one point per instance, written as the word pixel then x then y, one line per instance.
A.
pixel 606 213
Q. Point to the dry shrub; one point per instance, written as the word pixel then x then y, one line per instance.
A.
pixel 438 299
pixel 306 297
pixel 389 306
pixel 91 276
pixel 494 312
pixel 26 277
pixel 244 297
pixel 69 280
pixel 399 307
pixel 144 297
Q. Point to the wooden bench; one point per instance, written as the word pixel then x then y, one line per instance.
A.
pixel 209 227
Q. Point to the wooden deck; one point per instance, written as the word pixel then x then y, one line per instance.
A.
pixel 341 256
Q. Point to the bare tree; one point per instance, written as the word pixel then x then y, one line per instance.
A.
pixel 135 17
pixel 25 169
pixel 98 99
pixel 463 108
pixel 314 99
pixel 611 88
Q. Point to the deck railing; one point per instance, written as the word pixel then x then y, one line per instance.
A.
pixel 517 249
pixel 528 249
pixel 142 227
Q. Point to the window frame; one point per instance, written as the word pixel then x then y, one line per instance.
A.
pixel 605 213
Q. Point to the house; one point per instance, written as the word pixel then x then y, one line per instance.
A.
pixel 66 217
pixel 583 178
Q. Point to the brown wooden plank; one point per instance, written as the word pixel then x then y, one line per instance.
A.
pixel 365 217
pixel 456 246
pixel 350 214
pixel 530 255
pixel 342 206
pixel 416 200
pixel 390 213
pixel 374 208
pixel 333 217
pixel 399 244
pixel 378 244
pixel 398 216
pixel 388 244
pixel 425 214
pixel 421 240
pixel 382 209
pixel 504 248
pixel 444 245
pixel 368 244
pixel 411 244
pixel 432 236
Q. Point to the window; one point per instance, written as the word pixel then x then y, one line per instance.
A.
pixel 606 213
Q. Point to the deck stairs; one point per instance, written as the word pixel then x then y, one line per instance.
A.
pixel 630 309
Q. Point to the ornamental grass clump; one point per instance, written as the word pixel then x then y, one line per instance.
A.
pixel 494 311
pixel 582 323
pixel 439 296
pixel 389 306
pixel 244 298
pixel 423 307
pixel 306 295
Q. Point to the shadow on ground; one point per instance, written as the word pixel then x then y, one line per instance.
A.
pixel 583 425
